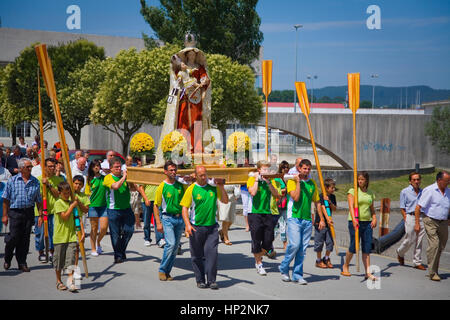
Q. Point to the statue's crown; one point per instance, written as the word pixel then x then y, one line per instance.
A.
pixel 190 41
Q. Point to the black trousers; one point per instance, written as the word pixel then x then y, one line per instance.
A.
pixel 18 239
pixel 204 252
pixel 261 231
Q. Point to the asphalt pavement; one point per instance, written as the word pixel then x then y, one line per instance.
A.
pixel 137 278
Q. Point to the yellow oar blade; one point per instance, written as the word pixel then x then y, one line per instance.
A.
pixel 353 91
pixel 302 95
pixel 267 77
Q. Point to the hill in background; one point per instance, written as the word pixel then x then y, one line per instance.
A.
pixel 394 97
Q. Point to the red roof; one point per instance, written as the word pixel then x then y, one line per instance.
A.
pixel 312 105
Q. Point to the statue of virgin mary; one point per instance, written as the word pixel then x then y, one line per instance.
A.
pixel 189 102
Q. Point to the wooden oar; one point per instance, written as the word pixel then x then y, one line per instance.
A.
pixel 47 72
pixel 44 173
pixel 302 95
pixel 267 89
pixel 353 101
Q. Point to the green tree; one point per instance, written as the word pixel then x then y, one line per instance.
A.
pixel 228 27
pixel 135 82
pixel 438 129
pixel 77 97
pixel 20 83
pixel 365 104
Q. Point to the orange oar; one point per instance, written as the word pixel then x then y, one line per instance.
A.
pixel 267 89
pixel 47 73
pixel 353 101
pixel 304 105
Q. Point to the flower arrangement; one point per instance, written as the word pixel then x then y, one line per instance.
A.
pixel 174 143
pixel 238 142
pixel 142 144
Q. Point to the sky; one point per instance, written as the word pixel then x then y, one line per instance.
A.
pixel 408 46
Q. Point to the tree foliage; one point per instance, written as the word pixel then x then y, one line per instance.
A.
pixel 228 27
pixel 135 82
pixel 77 97
pixel 438 129
pixel 20 88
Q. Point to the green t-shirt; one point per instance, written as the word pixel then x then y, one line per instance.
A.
pixel 150 192
pixel 365 200
pixel 84 199
pixel 301 209
pixel 54 182
pixel 202 201
pixel 168 197
pixel 98 192
pixel 64 231
pixel 117 199
pixel 260 203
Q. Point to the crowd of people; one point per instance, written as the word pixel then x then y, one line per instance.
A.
pixel 193 206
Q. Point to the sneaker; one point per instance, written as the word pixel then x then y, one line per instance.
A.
pixel 301 281
pixel 179 252
pixel 201 285
pixel 161 243
pixel 169 277
pixel 42 258
pixel 99 250
pixel 214 286
pixel 147 243
pixel 271 254
pixel 94 254
pixel 260 270
pixel 162 276
pixel 285 277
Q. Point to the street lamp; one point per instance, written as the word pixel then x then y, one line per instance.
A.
pixel 296 26
pixel 312 86
pixel 373 89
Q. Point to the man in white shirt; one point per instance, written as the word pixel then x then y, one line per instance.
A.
pixel 81 170
pixel 105 163
pixel 434 203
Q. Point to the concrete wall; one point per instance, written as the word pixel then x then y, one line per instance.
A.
pixel 383 141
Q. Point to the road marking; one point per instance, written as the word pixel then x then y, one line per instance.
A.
pixel 258 293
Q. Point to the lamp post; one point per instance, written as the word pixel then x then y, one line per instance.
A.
pixel 373 89
pixel 312 86
pixel 296 26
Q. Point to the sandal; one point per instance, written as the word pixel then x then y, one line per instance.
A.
pixel 346 274
pixel 228 242
pixel 60 286
pixel 221 235
pixel 371 277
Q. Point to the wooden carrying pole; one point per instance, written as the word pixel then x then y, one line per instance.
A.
pixel 353 101
pixel 267 89
pixel 44 173
pixel 304 105
pixel 47 73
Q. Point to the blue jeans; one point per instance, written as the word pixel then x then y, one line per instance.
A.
pixel 298 233
pixel 121 228
pixel 148 212
pixel 39 236
pixel 173 229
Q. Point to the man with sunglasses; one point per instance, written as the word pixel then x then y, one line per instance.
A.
pixel 22 192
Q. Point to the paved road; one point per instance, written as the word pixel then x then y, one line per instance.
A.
pixel 137 278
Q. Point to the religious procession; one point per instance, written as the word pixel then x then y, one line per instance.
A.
pixel 190 187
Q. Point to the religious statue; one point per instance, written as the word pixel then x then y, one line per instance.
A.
pixel 189 101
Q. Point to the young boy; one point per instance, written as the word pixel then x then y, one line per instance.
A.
pixel 260 217
pixel 321 225
pixel 83 207
pixel 64 236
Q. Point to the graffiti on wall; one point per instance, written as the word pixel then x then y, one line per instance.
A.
pixel 386 147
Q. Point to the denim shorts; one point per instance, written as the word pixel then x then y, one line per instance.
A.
pixel 365 234
pixel 97 212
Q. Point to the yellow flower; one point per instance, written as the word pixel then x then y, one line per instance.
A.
pixel 174 141
pixel 238 142
pixel 141 142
